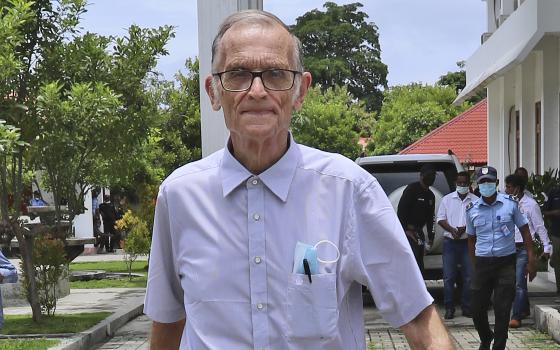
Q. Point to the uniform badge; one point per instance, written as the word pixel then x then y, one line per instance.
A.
pixel 484 171
pixel 470 205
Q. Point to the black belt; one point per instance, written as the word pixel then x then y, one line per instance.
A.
pixel 491 259
pixel 520 245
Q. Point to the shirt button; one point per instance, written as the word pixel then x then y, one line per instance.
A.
pixel 258 259
pixel 255 182
pixel 256 217
pixel 260 306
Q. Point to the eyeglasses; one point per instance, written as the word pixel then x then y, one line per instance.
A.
pixel 238 80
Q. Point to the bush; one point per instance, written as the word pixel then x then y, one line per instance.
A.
pixel 49 261
pixel 136 238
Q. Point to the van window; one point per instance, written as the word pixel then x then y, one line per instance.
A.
pixel 394 175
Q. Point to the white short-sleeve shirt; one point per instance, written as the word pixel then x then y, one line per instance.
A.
pixel 453 209
pixel 223 250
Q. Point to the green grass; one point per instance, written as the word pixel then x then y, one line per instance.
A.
pixel 26 344
pixel 63 323
pixel 541 341
pixel 111 266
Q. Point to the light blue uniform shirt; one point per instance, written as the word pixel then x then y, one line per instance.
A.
pixel 494 225
pixel 223 249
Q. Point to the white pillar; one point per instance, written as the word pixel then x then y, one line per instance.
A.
pixel 550 107
pixel 210 14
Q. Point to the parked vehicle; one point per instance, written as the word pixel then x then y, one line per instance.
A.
pixel 395 172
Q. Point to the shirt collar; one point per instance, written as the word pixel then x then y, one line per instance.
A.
pixel 277 178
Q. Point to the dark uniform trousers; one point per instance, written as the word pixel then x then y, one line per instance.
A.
pixel 493 274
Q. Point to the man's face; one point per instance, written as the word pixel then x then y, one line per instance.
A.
pixel 462 181
pixel 511 189
pixel 258 113
pixel 428 178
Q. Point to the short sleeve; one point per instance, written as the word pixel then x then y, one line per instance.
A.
pixel 383 259
pixel 442 210
pixel 164 296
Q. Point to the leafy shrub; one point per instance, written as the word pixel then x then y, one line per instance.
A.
pixel 136 238
pixel 49 261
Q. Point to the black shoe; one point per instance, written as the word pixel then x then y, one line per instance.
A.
pixel 467 313
pixel 449 314
pixel 485 344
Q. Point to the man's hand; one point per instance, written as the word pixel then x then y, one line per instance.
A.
pixel 427 331
pixel 455 233
pixel 412 235
pixel 530 270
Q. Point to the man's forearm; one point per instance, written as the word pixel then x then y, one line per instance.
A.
pixel 427 331
pixel 166 336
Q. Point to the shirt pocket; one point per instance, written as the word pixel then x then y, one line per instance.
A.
pixel 312 308
pixel 479 221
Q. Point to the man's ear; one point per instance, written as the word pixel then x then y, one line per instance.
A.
pixel 211 92
pixel 303 87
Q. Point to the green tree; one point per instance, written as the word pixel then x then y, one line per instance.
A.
pixel 327 121
pixel 458 81
pixel 409 112
pixel 341 48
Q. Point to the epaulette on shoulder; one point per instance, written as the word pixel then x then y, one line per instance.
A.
pixel 513 198
pixel 470 205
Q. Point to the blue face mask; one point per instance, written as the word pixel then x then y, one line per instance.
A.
pixel 462 189
pixel 487 189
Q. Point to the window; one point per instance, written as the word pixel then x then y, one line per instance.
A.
pixel 538 127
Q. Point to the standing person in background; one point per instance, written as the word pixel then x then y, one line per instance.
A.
pixel 515 186
pixel 37 200
pixel 551 211
pixel 109 216
pixel 491 222
pixel 8 274
pixel 415 210
pixel 451 217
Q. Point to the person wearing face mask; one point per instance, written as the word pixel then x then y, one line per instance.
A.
pixel 491 222
pixel 515 186
pixel 415 210
pixel 451 217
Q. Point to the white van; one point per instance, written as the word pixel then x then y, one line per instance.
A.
pixel 395 172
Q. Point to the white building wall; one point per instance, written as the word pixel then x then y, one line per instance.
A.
pixel 550 102
pixel 527 106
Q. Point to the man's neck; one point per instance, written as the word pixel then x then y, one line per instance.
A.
pixel 491 199
pixel 462 196
pixel 258 155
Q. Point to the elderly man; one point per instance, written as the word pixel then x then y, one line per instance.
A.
pixel 491 222
pixel 265 243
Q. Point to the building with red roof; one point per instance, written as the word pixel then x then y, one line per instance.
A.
pixel 465 135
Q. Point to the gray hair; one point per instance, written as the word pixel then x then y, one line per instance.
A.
pixel 255 17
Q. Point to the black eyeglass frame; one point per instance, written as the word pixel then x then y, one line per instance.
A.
pixel 259 74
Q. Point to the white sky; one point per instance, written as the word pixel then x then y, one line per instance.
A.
pixel 420 39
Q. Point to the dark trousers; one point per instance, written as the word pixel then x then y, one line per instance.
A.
pixel 418 251
pixel 495 274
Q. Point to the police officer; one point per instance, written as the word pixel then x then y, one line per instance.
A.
pixel 491 222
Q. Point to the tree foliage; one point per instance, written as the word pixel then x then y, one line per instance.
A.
pixel 409 112
pixel 341 48
pixel 458 81
pixel 327 121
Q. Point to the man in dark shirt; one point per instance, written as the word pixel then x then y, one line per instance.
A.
pixel 416 209
pixel 552 212
pixel 109 216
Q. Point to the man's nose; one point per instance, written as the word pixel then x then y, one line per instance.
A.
pixel 257 88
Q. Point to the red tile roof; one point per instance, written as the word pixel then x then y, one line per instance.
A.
pixel 465 135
